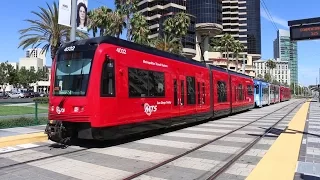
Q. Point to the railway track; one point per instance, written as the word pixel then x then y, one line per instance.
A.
pixel 112 144
pixel 236 157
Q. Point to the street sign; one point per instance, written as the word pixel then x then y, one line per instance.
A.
pixel 305 32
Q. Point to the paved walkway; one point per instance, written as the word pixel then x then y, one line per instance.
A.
pixel 308 166
pixel 21 130
pixel 117 162
pixel 296 152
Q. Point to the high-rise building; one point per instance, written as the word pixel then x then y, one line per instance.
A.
pixel 241 19
pixel 286 50
pixel 281 72
pixel 157 11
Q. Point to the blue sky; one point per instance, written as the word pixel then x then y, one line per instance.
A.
pixel 15 12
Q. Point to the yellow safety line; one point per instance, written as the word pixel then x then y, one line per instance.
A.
pixel 281 159
pixel 22 139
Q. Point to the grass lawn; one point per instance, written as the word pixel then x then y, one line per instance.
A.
pixel 20 110
pixel 42 106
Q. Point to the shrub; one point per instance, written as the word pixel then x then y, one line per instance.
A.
pixel 41 100
pixel 22 122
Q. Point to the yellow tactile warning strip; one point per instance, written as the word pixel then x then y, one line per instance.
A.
pixel 279 163
pixel 22 139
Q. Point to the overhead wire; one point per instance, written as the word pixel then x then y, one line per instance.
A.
pixel 265 7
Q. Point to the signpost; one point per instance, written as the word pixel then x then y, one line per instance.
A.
pixel 73 13
pixel 305 29
pixel 305 32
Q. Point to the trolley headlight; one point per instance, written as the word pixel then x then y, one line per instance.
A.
pixel 78 109
pixel 52 108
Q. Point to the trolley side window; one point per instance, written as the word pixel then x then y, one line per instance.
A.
pixel 240 92
pixel 250 90
pixel 222 91
pixel 204 93
pixel 175 93
pixel 257 89
pixel 108 79
pixel 191 94
pixel 146 83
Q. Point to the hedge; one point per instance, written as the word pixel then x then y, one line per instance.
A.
pixel 22 122
pixel 41 100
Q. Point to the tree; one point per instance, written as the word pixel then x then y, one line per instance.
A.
pixel 115 24
pixel 260 76
pixel 46 31
pixel 174 29
pixel 177 25
pixel 168 43
pixel 267 77
pixel 42 74
pixel 23 76
pixel 127 8
pixel 226 44
pixel 215 44
pixel 106 21
pixel 92 22
pixel 7 73
pixel 140 29
pixel 238 47
pixel 271 65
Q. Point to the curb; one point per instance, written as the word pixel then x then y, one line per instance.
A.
pixel 23 139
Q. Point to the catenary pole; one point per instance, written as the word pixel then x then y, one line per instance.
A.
pixel 73 20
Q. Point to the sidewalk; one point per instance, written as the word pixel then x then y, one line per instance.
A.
pixel 308 165
pixel 296 152
pixel 12 138
pixel 21 130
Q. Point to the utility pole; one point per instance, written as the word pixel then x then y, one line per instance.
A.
pixel 73 20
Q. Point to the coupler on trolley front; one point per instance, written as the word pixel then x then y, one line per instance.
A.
pixel 58 132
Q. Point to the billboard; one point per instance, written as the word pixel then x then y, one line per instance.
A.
pixel 64 12
pixel 305 32
pixel 81 14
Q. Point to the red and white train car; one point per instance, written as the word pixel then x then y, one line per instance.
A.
pixel 104 87
pixel 285 93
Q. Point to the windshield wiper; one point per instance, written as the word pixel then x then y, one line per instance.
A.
pixel 64 98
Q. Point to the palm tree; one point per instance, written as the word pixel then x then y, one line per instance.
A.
pixel 101 19
pixel 226 45
pixel 177 25
pixel 237 49
pixel 46 31
pixel 168 43
pixel 127 8
pixel 215 45
pixel 116 23
pixel 271 65
pixel 140 29
pixel 92 22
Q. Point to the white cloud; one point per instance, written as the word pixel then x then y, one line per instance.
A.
pixel 276 20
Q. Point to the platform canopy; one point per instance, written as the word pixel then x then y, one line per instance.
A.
pixel 304 29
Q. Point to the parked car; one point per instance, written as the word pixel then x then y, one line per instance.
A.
pixel 16 95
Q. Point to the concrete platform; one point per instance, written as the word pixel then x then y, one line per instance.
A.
pixel 21 135
pixel 296 152
pixel 118 162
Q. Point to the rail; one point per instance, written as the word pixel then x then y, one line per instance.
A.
pixel 204 144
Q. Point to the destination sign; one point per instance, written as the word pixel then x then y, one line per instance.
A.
pixel 305 32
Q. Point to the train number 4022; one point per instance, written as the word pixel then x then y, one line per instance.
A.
pixel 121 50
